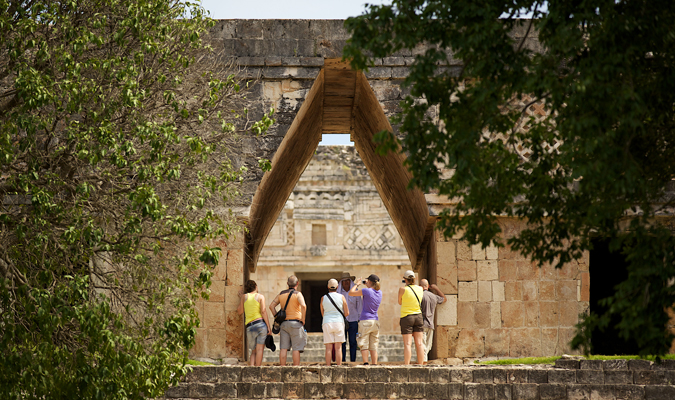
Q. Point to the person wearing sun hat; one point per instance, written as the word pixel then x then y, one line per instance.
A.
pixel 412 323
pixel 333 307
pixel 355 304
pixel 369 323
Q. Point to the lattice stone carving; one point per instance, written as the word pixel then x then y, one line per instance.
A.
pixel 371 237
pixel 290 232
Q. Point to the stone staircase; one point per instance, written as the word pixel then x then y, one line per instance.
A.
pixel 390 349
pixel 569 380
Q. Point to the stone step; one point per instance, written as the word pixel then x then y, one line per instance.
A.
pixel 390 349
pixel 645 382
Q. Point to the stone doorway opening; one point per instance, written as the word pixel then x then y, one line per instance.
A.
pixel 313 286
pixel 607 269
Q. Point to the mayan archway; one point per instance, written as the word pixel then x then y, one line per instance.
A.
pixel 340 101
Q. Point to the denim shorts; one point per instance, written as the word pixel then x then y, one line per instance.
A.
pixel 256 334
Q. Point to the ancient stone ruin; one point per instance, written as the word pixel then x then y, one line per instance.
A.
pixel 500 303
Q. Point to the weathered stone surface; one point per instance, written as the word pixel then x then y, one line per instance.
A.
pixel 455 391
pixel 487 270
pixel 483 375
pixel 412 390
pixel 665 392
pixel 537 376
pixel 629 392
pixel 418 375
pixel 552 392
pixel 525 342
pixel 333 390
pixel 466 270
pixel 591 364
pixel 398 375
pixel 293 390
pixel 314 390
pixel 618 377
pixel 176 392
pixel 503 392
pixel 578 392
pixel 251 374
pixel 639 364
pixel 354 391
pixel 593 377
pixel 517 376
pixel 379 375
pixel 567 363
pixel 602 392
pixel 649 377
pixel 499 376
pixel 446 313
pixel 497 342
pixel 461 375
pixel 436 391
pixel 562 377
pixel 439 375
pixel 471 343
pixel 225 390
pixel 484 291
pixel 243 390
pixel 525 391
pixel 258 390
pixel 479 391
pixel 357 374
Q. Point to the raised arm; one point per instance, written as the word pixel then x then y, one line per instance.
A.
pixel 435 290
pixel 355 291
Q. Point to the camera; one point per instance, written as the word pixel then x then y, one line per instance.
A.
pixel 363 281
pixel 403 280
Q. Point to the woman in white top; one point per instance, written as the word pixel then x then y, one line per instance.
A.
pixel 333 325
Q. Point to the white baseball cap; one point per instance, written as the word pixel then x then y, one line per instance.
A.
pixel 332 284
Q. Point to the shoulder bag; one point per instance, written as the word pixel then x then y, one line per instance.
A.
pixel 340 311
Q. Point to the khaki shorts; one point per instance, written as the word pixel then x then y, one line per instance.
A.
pixel 412 323
pixel 333 332
pixel 292 335
pixel 369 334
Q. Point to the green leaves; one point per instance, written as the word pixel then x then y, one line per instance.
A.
pixel 113 161
pixel 565 121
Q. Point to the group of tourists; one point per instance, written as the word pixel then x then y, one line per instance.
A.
pixel 350 313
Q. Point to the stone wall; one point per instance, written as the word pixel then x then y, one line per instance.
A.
pixel 504 305
pixel 618 379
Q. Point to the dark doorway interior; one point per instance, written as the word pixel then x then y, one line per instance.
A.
pixel 313 290
pixel 607 269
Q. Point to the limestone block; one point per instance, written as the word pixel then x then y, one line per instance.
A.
pixel 446 313
pixel 585 294
pixel 549 344
pixel 547 290
pixel 477 252
pixel 463 250
pixel 232 297
pixel 400 72
pixel 497 342
pixel 484 291
pixel 492 252
pixel 512 314
pixel 530 290
pixel 498 291
pixel 482 315
pixel 513 291
pixel 217 291
pixel 569 271
pixel 507 270
pixel 465 314
pixel 214 315
pixel 446 267
pixel 548 314
pixel 199 349
pixel 566 290
pixel 220 270
pixel 468 291
pixel 470 343
pixel 525 342
pixel 378 73
pixel 487 270
pixel 565 336
pixel 216 343
pixel 531 313
pixel 235 267
pixel 466 270
pixel 495 315
pixel 527 270
pixel 568 312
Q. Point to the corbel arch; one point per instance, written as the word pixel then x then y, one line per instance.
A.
pixel 341 100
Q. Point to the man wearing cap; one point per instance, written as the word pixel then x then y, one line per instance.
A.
pixel 412 324
pixel 355 305
pixel 292 334
pixel 432 296
pixel 369 323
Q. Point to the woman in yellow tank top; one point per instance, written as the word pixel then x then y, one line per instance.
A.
pixel 412 324
pixel 252 305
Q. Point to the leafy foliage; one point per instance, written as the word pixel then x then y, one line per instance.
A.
pixel 115 126
pixel 574 137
